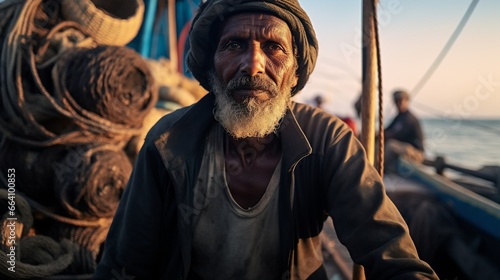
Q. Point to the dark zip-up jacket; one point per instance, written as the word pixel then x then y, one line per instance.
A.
pixel 324 170
pixel 406 128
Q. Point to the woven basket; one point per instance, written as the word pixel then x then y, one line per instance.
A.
pixel 108 24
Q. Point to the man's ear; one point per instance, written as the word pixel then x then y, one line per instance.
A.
pixel 295 80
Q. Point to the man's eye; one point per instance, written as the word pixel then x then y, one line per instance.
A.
pixel 273 47
pixel 233 46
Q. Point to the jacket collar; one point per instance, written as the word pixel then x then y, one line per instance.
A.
pixel 294 142
pixel 189 132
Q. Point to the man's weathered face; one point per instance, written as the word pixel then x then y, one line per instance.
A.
pixel 254 73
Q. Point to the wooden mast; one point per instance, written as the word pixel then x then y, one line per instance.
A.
pixel 369 92
pixel 369 96
pixel 172 35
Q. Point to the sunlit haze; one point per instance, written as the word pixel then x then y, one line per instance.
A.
pixel 412 34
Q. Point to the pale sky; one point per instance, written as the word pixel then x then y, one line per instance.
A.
pixel 412 34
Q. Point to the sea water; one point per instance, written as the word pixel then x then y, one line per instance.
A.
pixel 469 143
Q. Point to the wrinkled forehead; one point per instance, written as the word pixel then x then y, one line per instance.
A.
pixel 256 24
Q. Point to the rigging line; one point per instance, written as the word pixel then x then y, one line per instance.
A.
pixel 332 78
pixel 380 163
pixel 342 66
pixel 445 49
pixel 468 122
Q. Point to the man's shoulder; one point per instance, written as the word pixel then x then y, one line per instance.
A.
pixel 186 119
pixel 412 117
pixel 312 119
pixel 307 113
pixel 165 123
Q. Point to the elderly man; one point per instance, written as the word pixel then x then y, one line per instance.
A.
pixel 237 186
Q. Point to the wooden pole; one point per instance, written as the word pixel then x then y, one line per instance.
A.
pixel 369 95
pixel 172 35
pixel 369 92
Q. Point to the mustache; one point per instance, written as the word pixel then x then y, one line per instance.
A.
pixel 252 82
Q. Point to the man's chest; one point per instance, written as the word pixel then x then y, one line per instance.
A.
pixel 248 178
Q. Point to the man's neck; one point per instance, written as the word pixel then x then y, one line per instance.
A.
pixel 249 149
pixel 250 164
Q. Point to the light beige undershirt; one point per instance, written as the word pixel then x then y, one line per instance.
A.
pixel 230 242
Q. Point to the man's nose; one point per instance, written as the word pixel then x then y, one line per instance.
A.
pixel 253 61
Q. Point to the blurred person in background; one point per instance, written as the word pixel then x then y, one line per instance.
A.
pixel 403 136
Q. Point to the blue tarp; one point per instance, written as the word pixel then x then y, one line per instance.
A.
pixel 152 39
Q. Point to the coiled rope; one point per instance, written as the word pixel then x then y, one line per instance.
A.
pixel 36 256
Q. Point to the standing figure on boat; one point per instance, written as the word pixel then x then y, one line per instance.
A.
pixel 404 135
pixel 238 185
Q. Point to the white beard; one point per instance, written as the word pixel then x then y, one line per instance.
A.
pixel 250 118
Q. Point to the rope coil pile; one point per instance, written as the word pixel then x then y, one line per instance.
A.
pixel 35 107
pixel 72 100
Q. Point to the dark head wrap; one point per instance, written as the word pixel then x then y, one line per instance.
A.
pixel 212 13
pixel 401 94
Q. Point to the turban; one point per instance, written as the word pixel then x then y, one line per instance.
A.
pixel 401 94
pixel 212 13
